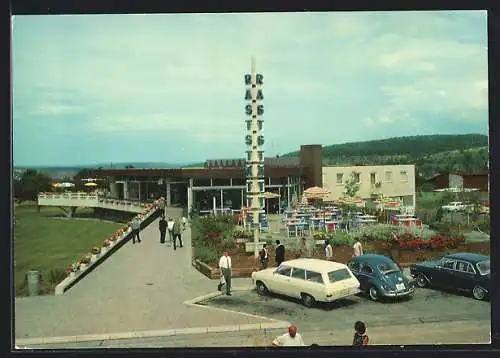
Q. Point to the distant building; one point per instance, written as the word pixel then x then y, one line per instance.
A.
pixel 393 181
pixel 477 180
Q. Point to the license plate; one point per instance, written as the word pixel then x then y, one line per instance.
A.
pixel 400 286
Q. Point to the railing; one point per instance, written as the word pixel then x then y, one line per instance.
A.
pixel 89 200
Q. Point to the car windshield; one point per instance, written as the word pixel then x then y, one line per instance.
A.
pixel 338 275
pixel 484 267
pixel 388 267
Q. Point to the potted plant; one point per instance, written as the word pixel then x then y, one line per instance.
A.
pixel 84 262
pixel 96 250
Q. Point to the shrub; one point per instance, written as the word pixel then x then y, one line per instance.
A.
pixel 205 254
pixel 57 275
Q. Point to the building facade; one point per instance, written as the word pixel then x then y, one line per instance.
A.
pixel 394 181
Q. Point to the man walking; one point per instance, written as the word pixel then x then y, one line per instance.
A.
pixel 225 268
pixel 161 206
pixel 162 225
pixel 177 232
pixel 264 257
pixel 280 253
pixel 329 251
pixel 136 228
pixel 170 227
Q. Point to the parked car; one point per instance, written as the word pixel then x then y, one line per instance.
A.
pixel 461 271
pixel 455 206
pixel 310 280
pixel 380 277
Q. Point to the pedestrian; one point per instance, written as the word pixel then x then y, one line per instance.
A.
pixel 161 206
pixel 225 268
pixel 264 257
pixel 358 248
pixel 177 232
pixel 306 249
pixel 162 225
pixel 170 227
pixel 280 253
pixel 290 339
pixel 136 228
pixel 184 223
pixel 329 251
pixel 360 338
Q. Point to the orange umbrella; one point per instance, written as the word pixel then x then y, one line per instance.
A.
pixel 316 192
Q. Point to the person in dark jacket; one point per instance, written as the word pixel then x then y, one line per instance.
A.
pixel 280 253
pixel 162 225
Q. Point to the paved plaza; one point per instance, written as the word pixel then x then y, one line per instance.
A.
pixel 141 287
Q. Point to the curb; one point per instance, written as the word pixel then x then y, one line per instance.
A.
pixel 148 334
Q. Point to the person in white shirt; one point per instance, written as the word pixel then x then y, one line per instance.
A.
pixel 225 268
pixel 264 257
pixel 290 339
pixel 329 251
pixel 170 227
pixel 358 248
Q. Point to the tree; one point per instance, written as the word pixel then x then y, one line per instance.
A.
pixel 352 185
pixel 30 184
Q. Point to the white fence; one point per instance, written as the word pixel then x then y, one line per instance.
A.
pixel 89 200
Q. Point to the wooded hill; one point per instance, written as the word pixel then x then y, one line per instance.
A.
pixel 430 153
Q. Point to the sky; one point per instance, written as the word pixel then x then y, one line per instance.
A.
pixel 91 89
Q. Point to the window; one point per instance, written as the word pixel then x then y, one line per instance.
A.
pixel 339 275
pixel 340 178
pixel 448 264
pixel 464 267
pixel 373 179
pixel 299 273
pixel 366 269
pixel 284 270
pixel 404 175
pixel 388 176
pixel 388 267
pixel 356 177
pixel 484 267
pixel 354 266
pixel 314 276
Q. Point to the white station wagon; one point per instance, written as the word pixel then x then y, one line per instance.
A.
pixel 310 280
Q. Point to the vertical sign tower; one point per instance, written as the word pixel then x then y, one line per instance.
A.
pixel 254 169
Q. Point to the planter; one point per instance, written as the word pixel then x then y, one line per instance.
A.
pixel 93 258
pixel 83 267
pixel 72 274
pixel 104 250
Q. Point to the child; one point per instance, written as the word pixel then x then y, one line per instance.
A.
pixel 360 338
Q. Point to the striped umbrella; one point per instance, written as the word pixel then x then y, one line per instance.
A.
pixel 316 192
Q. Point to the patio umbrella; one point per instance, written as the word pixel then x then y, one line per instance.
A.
pixel 316 192
pixel 56 185
pixel 90 184
pixel 66 185
pixel 269 195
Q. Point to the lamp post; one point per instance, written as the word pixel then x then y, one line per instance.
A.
pixel 254 169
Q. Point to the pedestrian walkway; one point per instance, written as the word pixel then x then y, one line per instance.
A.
pixel 141 287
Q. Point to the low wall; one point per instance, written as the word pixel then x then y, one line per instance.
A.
pixel 72 280
pixel 214 273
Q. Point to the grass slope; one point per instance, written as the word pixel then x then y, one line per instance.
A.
pixel 44 242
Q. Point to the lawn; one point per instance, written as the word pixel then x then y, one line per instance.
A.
pixel 49 243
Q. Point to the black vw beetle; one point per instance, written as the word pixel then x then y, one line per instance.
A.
pixel 460 271
pixel 380 277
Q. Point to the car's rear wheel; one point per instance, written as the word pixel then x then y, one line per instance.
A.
pixel 308 300
pixel 373 293
pixel 421 280
pixel 478 293
pixel 261 288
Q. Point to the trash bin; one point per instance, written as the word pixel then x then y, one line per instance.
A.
pixel 33 282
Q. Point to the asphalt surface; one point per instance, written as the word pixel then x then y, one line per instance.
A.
pixel 426 306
